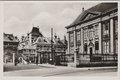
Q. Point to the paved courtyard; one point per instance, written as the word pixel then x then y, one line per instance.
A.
pixel 46 70
pixel 10 67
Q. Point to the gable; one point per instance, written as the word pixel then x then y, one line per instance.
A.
pixel 85 16
pixel 88 16
pixel 93 11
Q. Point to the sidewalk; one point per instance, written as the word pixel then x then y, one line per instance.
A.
pixel 52 70
pixel 11 67
pixel 61 70
pixel 87 68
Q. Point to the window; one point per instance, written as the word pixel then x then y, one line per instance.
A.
pixel 116 25
pixel 96 45
pixel 71 50
pixel 106 47
pixel 116 46
pixel 71 39
pixel 85 34
pixel 116 28
pixel 85 47
pixel 78 37
pixel 106 26
pixel 96 30
pixel 91 34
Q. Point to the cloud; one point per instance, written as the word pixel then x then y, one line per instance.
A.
pixel 19 17
pixel 58 21
pixel 16 26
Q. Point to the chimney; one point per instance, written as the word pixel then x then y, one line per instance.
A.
pixel 83 9
pixel 64 37
pixel 55 36
pixel 58 38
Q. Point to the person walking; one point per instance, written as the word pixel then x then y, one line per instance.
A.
pixel 37 60
pixel 16 62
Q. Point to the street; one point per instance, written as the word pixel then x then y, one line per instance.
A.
pixel 49 71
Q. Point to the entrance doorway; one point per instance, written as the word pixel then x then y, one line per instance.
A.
pixel 91 52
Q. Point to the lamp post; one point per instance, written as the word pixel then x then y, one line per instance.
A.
pixel 52 52
pixel 76 56
pixel 14 59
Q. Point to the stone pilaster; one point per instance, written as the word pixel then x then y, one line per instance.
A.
pixel 111 37
pixel 82 41
pixel 75 55
pixel 100 37
pixel 39 57
pixel 68 35
pixel 13 58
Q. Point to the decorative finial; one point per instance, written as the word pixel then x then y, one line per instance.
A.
pixel 38 27
pixel 83 9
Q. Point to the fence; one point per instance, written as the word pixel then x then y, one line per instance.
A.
pixel 88 59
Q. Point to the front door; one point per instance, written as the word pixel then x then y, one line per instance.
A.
pixel 91 52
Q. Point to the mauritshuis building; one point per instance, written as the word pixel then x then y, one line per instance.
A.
pixel 93 36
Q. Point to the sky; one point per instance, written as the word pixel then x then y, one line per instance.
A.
pixel 20 17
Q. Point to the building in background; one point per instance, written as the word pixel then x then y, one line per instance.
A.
pixel 36 48
pixel 34 34
pixel 10 46
pixel 27 52
pixel 44 51
pixel 93 36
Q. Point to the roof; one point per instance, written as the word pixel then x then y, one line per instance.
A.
pixel 94 12
pixel 26 45
pixel 35 31
pixel 10 38
pixel 47 40
pixel 43 40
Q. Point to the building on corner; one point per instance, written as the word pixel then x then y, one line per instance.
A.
pixel 93 36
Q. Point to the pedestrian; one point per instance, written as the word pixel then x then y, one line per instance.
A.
pixel 16 62
pixel 36 61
